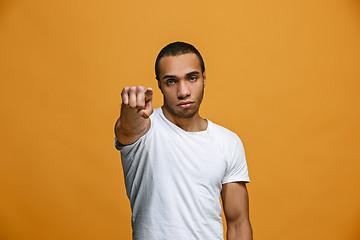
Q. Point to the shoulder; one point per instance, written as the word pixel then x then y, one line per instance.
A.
pixel 226 139
pixel 156 115
pixel 221 132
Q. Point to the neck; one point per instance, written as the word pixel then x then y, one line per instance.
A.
pixel 192 124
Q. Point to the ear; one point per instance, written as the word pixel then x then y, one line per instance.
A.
pixel 159 85
pixel 204 78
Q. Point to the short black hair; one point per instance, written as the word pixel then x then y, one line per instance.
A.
pixel 175 49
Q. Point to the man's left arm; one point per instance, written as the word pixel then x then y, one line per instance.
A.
pixel 236 208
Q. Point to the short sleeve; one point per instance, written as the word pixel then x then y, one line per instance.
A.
pixel 237 170
pixel 118 145
pixel 127 151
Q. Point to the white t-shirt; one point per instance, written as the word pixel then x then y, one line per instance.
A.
pixel 174 178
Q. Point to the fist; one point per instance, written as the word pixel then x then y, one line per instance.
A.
pixel 138 98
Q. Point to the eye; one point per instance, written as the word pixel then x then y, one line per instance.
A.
pixel 193 78
pixel 170 82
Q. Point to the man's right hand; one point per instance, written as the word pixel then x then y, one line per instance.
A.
pixel 134 119
pixel 138 98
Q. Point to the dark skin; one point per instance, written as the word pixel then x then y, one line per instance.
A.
pixel 182 84
pixel 236 208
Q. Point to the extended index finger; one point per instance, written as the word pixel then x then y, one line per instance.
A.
pixel 148 94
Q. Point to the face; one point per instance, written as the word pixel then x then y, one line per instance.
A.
pixel 182 84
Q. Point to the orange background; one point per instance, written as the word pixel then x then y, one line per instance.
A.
pixel 282 74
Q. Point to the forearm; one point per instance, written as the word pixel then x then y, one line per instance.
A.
pixel 130 126
pixel 240 230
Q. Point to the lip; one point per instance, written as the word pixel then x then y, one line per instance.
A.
pixel 185 104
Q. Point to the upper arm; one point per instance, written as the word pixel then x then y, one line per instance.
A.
pixel 236 170
pixel 235 202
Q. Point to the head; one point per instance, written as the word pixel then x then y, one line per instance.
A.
pixel 175 49
pixel 181 78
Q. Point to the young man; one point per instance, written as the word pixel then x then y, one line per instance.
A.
pixel 177 164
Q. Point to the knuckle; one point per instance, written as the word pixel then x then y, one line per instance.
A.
pixel 132 104
pixel 124 90
pixel 139 88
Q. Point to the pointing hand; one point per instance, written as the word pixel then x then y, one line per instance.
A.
pixel 138 98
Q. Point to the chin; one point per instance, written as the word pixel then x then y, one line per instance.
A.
pixel 176 111
pixel 186 113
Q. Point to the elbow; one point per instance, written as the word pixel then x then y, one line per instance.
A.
pixel 239 229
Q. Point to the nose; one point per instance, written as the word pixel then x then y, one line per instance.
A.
pixel 183 90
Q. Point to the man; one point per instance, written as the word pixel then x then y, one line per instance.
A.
pixel 177 164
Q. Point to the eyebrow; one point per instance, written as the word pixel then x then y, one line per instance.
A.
pixel 169 76
pixel 192 73
pixel 188 74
